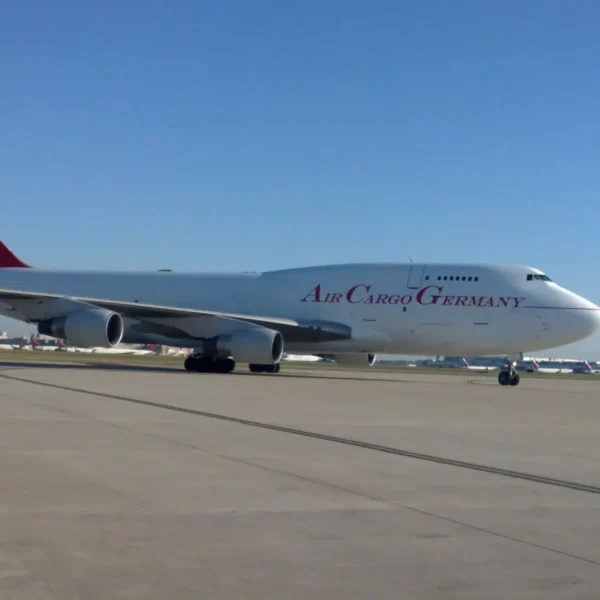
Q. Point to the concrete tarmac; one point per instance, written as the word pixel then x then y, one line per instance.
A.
pixel 132 483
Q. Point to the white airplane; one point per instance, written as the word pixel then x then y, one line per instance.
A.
pixel 349 312
pixel 584 368
pixel 534 367
pixel 469 367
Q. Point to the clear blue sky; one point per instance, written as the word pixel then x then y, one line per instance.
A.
pixel 256 135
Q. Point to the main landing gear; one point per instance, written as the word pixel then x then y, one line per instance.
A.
pixel 510 375
pixel 206 364
pixel 200 363
pixel 265 368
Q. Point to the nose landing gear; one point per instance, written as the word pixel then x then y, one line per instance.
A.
pixel 509 376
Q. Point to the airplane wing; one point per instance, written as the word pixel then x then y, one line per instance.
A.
pixel 35 307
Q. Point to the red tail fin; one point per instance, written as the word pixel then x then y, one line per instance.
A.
pixel 8 258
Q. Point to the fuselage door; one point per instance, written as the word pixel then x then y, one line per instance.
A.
pixel 415 276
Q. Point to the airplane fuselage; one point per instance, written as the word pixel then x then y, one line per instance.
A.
pixel 391 308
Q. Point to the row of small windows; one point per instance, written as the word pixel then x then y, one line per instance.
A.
pixel 453 278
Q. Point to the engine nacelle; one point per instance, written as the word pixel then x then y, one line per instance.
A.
pixel 258 346
pixel 88 327
pixel 355 360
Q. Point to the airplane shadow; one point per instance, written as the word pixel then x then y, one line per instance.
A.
pixel 86 366
pixel 176 370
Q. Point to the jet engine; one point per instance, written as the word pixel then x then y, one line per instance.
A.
pixel 355 360
pixel 258 346
pixel 88 327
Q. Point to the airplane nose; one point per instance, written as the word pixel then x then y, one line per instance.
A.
pixel 567 318
pixel 592 317
pixel 584 317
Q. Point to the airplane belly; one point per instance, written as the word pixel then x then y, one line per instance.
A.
pixel 490 332
pixel 467 331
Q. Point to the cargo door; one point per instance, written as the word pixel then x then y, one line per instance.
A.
pixel 415 276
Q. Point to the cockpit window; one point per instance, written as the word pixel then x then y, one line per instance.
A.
pixel 538 277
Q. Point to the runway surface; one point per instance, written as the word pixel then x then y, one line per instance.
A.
pixel 154 483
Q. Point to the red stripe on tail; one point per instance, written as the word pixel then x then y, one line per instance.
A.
pixel 9 260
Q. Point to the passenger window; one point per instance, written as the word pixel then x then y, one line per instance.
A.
pixel 439 277
pixel 445 277
pixel 476 278
pixel 426 277
pixel 470 279
pixel 451 278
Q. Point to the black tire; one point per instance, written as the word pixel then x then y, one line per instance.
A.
pixel 224 365
pixel 190 363
pixel 515 379
pixel 504 378
pixel 205 365
pixel 265 368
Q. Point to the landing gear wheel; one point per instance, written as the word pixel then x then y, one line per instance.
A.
pixel 197 364
pixel 205 364
pixel 504 378
pixel 265 368
pixel 508 378
pixel 224 365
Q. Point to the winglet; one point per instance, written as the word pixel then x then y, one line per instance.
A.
pixel 8 258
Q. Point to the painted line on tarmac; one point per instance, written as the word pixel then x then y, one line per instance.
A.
pixel 562 483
